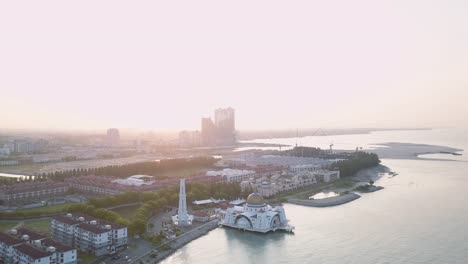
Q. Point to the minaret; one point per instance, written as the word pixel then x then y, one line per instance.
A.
pixel 183 218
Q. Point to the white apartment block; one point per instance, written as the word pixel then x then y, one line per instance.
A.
pixel 27 247
pixel 89 234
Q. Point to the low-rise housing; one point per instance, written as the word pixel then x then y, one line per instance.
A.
pixel 233 175
pixel 24 246
pixel 279 183
pixel 31 191
pixel 89 234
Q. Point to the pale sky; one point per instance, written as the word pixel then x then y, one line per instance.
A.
pixel 280 64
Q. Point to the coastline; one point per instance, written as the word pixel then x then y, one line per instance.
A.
pixel 326 202
pixel 398 150
pixel 347 184
pixel 178 243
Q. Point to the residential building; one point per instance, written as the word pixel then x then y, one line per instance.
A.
pixel 233 175
pixel 7 248
pixel 268 187
pixel 89 234
pixel 208 132
pixel 24 246
pixel 5 151
pixel 31 191
pixel 22 146
pixel 113 137
pixel 220 132
pixel 27 254
pixel 190 138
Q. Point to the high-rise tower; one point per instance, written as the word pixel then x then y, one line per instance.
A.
pixel 221 132
pixel 113 137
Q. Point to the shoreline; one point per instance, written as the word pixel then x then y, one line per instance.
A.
pixel 178 242
pixel 361 177
pixel 326 202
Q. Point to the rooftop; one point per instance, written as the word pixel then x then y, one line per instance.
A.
pixel 32 235
pixel 92 228
pixel 31 251
pixel 9 240
pixel 66 220
pixel 57 245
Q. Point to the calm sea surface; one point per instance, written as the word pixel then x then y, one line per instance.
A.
pixel 420 217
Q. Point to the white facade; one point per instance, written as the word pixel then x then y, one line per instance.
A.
pixel 17 247
pixel 136 180
pixel 275 160
pixel 182 218
pixel 268 187
pixel 233 175
pixel 89 234
pixel 27 254
pixel 255 216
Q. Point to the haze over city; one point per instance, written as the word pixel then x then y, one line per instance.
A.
pixel 225 132
pixel 146 65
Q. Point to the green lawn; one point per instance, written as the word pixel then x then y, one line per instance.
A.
pixel 5 226
pixel 50 209
pixel 127 211
pixel 41 226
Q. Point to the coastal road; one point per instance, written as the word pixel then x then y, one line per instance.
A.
pixel 136 248
pixel 177 242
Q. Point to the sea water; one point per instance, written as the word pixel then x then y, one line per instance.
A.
pixel 420 217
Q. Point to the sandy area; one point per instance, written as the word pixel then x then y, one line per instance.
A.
pixel 395 150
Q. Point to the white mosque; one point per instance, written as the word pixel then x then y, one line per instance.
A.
pixel 256 216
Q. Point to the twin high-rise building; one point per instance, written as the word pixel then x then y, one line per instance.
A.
pixel 220 132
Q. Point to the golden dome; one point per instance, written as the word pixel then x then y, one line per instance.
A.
pixel 255 199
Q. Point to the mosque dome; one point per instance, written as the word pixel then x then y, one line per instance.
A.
pixel 255 199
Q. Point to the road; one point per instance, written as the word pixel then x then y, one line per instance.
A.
pixel 177 243
pixel 136 247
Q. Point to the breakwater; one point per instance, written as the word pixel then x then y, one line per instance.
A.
pixel 331 201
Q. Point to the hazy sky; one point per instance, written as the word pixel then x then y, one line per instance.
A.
pixel 280 64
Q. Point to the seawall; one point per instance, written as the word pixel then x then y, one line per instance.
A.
pixel 326 202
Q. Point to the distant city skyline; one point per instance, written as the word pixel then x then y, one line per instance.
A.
pixel 280 65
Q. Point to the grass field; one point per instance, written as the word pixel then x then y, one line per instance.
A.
pixel 50 209
pixel 5 226
pixel 128 211
pixel 41 226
